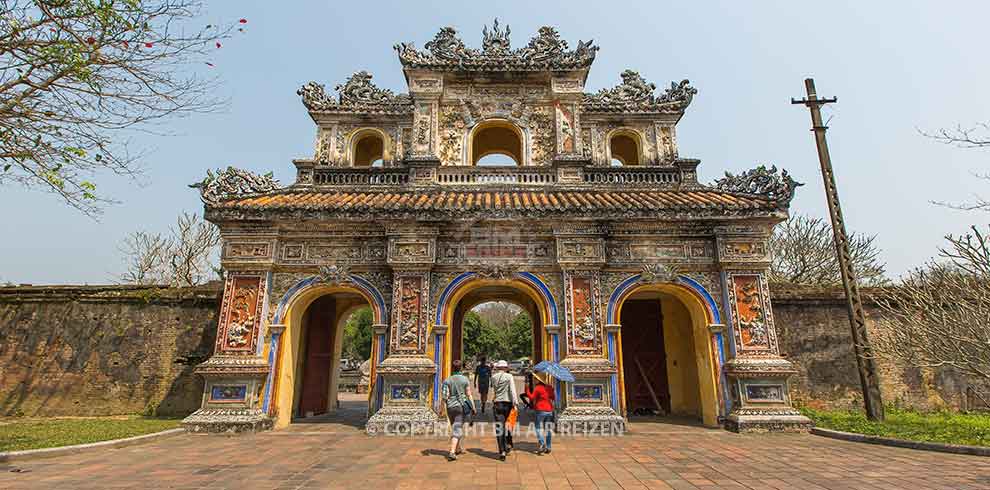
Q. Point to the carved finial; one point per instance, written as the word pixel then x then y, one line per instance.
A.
pixel 636 93
pixel 495 42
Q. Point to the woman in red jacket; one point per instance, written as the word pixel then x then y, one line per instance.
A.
pixel 541 398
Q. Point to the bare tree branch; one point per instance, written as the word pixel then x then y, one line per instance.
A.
pixel 803 252
pixel 938 316
pixel 186 257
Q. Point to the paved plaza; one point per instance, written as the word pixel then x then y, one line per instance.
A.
pixel 336 454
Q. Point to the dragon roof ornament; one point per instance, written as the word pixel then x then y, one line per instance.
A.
pixel 635 94
pixel 546 51
pixel 761 181
pixel 357 94
pixel 233 182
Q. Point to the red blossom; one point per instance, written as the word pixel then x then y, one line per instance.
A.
pixel 243 21
pixel 149 45
pixel 218 44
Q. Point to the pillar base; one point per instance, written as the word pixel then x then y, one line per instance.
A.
pixel 784 420
pixel 407 380
pixel 234 420
pixel 591 420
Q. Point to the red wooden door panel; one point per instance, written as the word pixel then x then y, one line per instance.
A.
pixel 642 340
pixel 318 360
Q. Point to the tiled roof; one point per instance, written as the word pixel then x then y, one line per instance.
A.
pixel 546 202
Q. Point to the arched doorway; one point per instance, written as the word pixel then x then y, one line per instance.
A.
pixel 306 356
pixel 668 356
pixel 496 142
pixel 469 290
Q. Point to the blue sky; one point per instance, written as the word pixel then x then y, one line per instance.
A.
pixel 895 66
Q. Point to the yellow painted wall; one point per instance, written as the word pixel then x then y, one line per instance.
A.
pixel 682 370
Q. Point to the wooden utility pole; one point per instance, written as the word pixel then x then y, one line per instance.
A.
pixel 868 378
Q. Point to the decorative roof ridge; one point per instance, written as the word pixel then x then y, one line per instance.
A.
pixel 768 183
pixel 635 94
pixel 233 183
pixel 545 51
pixel 356 94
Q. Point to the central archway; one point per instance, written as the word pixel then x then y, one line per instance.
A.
pixel 496 137
pixel 469 289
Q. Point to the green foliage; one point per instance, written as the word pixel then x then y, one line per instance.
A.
pixel 357 335
pixel 21 434
pixel 505 341
pixel 944 427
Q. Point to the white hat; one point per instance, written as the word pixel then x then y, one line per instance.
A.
pixel 501 365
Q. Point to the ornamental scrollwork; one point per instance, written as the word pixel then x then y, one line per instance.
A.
pixel 233 182
pixel 355 94
pixel 635 93
pixel 546 51
pixel 334 273
pixel 653 273
pixel 761 181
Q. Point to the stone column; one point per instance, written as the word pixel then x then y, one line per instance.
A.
pixel 757 374
pixel 378 350
pixel 407 373
pixel 236 372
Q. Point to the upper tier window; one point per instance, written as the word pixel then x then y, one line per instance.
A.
pixel 496 142
pixel 624 149
pixel 369 149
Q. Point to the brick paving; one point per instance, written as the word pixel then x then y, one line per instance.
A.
pixel 337 454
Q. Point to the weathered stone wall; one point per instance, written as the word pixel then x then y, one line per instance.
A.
pixel 813 330
pixel 88 350
pixel 96 350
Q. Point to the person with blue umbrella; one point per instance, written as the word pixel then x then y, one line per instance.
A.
pixel 554 369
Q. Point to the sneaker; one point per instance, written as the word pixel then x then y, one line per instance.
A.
pixel 451 457
pixel 547 450
pixel 501 456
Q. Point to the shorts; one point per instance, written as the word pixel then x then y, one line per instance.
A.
pixel 456 417
pixel 483 388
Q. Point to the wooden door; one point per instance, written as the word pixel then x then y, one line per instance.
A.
pixel 642 343
pixel 318 361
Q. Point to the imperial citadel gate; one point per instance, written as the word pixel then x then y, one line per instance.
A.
pixel 498 177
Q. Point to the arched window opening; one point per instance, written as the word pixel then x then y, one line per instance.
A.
pixel 368 148
pixel 378 163
pixel 500 139
pixel 624 149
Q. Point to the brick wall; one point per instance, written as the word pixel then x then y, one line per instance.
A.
pixel 813 329
pixel 96 350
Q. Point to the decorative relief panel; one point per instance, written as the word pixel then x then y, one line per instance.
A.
pixel 240 312
pixel 423 129
pixel 566 129
pixel 237 250
pixel 409 312
pixel 411 251
pixel 452 131
pixel 485 244
pixel 582 250
pixel 743 251
pixel 584 336
pixel 542 131
pixel 321 252
pixel 752 316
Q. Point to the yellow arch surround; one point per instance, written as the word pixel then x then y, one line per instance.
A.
pixel 474 285
pixel 517 154
pixel 363 134
pixel 704 354
pixel 628 133
pixel 287 378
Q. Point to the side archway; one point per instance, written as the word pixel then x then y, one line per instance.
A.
pixel 286 340
pixel 705 334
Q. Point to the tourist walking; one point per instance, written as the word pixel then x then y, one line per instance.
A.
pixel 541 398
pixel 503 402
pixel 482 380
pixel 456 393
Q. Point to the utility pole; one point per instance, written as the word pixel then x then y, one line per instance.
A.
pixel 868 378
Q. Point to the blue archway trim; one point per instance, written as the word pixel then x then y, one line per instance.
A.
pixel 360 282
pixel 528 277
pixel 698 288
pixel 447 291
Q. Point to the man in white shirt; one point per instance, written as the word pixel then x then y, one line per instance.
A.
pixel 503 401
